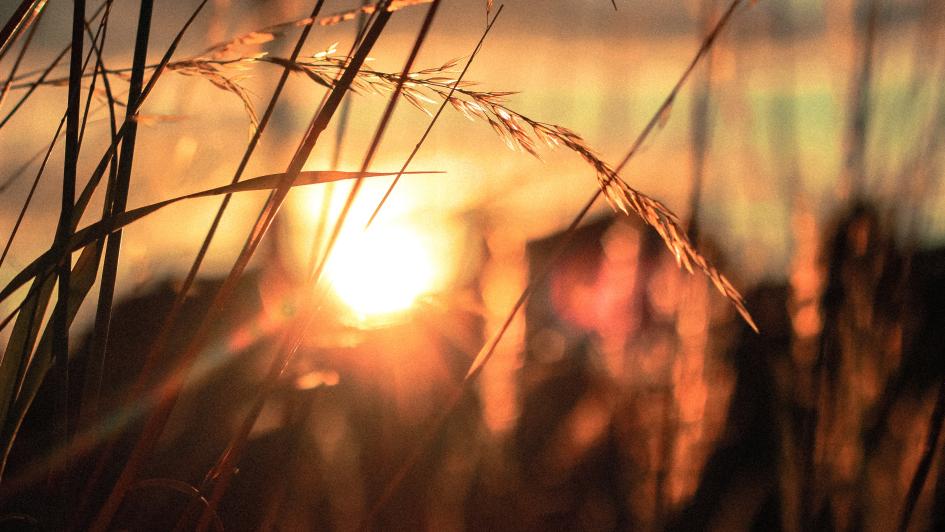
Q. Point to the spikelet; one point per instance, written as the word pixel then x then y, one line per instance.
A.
pixel 218 73
pixel 627 199
pixel 517 131
pixel 522 133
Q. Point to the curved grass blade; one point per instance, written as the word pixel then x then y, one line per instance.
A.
pixel 104 227
pixel 489 348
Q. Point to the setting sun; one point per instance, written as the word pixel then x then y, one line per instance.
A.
pixel 381 271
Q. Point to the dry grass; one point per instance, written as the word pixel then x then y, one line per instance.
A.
pixel 38 349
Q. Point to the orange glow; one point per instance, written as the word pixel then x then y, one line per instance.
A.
pixel 382 271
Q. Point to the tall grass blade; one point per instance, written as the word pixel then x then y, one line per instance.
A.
pixel 58 253
pixel 29 195
pixel 158 345
pixel 155 423
pixel 341 131
pixel 60 320
pixel 86 195
pixel 95 360
pixel 222 472
pixel 118 199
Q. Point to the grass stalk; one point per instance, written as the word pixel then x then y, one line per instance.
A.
pixel 171 389
pixel 340 132
pixel 223 471
pixel 378 135
pixel 95 365
pixel 60 320
pixel 29 195
pixel 13 414
pixel 118 194
pixel 167 326
pixel 24 276
pixel 22 340
pixel 159 345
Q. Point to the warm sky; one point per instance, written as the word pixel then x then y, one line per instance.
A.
pixel 579 64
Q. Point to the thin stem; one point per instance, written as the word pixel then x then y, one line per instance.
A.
pixel 60 318
pixel 426 132
pixel 223 471
pixel 29 196
pixel 95 360
pixel 39 174
pixel 119 199
pixel 329 190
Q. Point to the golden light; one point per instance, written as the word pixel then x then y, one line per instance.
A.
pixel 382 271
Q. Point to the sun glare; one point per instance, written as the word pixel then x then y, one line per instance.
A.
pixel 382 271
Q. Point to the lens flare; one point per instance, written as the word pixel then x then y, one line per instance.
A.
pixel 382 271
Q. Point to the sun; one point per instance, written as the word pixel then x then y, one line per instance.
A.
pixel 382 271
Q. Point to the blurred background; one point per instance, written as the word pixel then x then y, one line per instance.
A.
pixel 804 156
